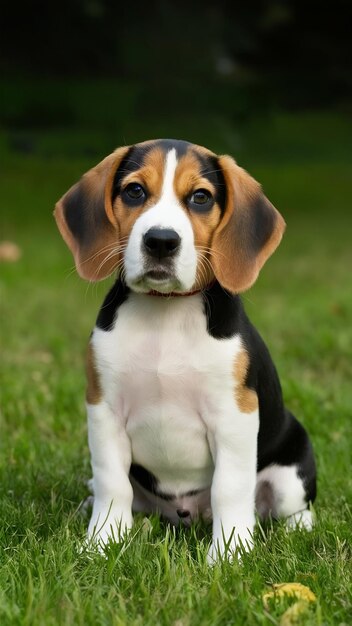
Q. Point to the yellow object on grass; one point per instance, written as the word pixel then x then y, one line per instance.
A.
pixel 304 597
pixel 280 590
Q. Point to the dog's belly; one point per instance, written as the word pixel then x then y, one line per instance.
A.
pixel 168 437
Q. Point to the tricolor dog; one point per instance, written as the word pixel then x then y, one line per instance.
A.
pixel 185 411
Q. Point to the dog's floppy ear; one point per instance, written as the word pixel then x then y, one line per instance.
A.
pixel 249 232
pixel 86 220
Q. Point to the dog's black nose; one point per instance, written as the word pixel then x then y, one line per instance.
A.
pixel 161 242
pixel 182 512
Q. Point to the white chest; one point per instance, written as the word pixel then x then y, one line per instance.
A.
pixel 166 378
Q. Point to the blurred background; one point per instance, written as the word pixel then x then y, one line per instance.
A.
pixel 267 81
pixel 131 69
pixel 82 76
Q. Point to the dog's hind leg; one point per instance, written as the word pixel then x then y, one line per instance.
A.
pixel 287 485
pixel 280 493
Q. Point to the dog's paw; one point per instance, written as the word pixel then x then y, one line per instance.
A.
pixel 230 549
pixel 108 526
pixel 303 520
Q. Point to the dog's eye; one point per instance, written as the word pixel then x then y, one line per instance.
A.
pixel 201 200
pixel 134 192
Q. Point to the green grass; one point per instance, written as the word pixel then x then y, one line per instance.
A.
pixel 301 304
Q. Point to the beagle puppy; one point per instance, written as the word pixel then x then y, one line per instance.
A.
pixel 185 410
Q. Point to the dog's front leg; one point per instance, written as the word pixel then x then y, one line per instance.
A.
pixel 234 447
pixel 111 459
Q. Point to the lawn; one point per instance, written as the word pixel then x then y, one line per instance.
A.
pixel 302 306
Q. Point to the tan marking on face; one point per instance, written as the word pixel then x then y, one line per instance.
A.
pixel 188 178
pixel 246 399
pixel 94 391
pixel 150 176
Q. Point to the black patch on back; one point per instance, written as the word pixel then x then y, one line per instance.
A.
pixel 117 295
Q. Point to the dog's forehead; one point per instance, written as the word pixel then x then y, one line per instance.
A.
pixel 153 155
pixel 181 147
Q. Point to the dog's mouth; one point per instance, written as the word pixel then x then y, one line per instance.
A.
pixel 157 279
pixel 159 275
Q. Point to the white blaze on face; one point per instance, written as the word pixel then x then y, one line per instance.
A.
pixel 166 213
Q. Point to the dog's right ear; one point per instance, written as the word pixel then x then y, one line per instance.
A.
pixel 86 220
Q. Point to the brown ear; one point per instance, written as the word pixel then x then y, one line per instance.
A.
pixel 86 221
pixel 249 232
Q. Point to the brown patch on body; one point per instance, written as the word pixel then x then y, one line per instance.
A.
pixel 246 399
pixel 94 391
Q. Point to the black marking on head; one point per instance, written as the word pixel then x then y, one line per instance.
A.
pixel 132 162
pixel 210 169
pixel 179 145
pixel 107 315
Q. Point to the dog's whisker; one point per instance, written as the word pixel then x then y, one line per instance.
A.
pixel 108 248
pixel 204 266
pixel 205 259
pixel 212 253
pixel 105 260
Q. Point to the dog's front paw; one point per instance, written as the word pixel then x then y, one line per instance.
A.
pixel 230 548
pixel 108 525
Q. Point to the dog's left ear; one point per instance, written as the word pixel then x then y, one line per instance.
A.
pixel 86 219
pixel 249 232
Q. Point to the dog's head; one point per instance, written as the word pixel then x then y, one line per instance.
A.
pixel 170 216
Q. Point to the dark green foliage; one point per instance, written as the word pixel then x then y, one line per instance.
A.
pixel 287 52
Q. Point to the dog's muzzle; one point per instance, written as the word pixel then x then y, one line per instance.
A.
pixel 161 243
